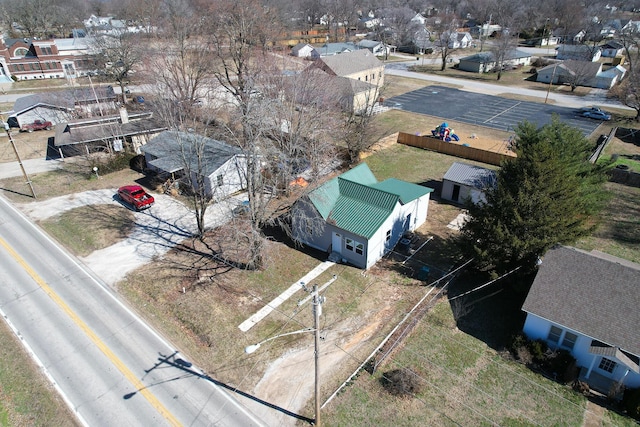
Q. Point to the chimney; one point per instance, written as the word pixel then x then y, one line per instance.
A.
pixel 124 115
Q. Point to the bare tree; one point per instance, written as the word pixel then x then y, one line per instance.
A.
pixel 628 91
pixel 117 55
pixel 446 36
pixel 358 123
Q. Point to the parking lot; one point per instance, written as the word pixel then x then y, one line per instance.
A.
pixel 486 110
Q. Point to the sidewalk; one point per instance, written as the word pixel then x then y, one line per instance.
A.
pixel 11 169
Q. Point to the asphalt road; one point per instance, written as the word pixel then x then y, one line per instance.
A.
pixel 109 366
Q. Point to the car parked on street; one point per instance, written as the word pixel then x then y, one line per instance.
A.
pixel 136 197
pixel 598 115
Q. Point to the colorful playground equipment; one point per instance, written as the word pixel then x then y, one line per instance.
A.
pixel 445 133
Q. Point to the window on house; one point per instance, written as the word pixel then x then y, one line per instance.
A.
pixel 348 244
pixel 359 248
pixel 569 340
pixel 46 50
pixel 220 180
pixel 554 334
pixel 388 235
pixel 607 365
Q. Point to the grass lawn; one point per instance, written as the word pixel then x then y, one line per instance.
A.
pixel 89 228
pixel 26 397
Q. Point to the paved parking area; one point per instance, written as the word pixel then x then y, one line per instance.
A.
pixel 485 110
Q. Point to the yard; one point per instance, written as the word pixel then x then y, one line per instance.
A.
pixel 456 350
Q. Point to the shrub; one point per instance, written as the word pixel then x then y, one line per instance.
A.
pixel 562 364
pixel 401 382
pixel 538 348
pixel 115 163
pixel 631 402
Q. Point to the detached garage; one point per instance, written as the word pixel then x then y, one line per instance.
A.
pixel 464 181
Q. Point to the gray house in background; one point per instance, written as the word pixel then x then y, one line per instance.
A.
pixel 485 62
pixel 175 154
pixel 467 182
pixel 63 106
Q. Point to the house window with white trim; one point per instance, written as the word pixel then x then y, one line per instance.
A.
pixel 569 340
pixel 554 334
pixel 220 180
pixel 607 365
pixel 388 237
pixel 353 246
pixel 348 244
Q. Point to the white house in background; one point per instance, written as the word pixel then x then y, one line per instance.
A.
pixel 582 73
pixel 464 182
pixel 587 303
pixel 460 40
pixel 612 49
pixel 359 218
pixel 376 47
pixel 419 19
pixel 305 50
pixel 174 153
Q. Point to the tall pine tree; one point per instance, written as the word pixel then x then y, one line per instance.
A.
pixel 549 194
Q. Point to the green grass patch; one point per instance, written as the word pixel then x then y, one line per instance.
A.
pixel 89 228
pixel 26 398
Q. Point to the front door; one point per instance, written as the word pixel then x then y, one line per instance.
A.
pixel 336 243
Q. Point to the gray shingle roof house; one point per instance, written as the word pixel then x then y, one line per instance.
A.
pixel 587 303
pixel 484 62
pixel 174 152
pixel 62 106
pixel 84 135
pixel 464 181
pixel 582 73
pixel 358 217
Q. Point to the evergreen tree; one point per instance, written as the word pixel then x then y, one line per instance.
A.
pixel 550 194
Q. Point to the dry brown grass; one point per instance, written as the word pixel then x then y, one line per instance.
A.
pixel 29 145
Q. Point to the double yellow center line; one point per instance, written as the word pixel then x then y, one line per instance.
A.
pixel 151 398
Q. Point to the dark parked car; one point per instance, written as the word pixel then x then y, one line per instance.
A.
pixel 135 196
pixel 598 115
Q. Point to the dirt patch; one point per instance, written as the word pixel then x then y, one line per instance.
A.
pixel 29 145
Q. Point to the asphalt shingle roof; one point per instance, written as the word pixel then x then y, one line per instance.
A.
pixel 595 294
pixel 166 146
pixel 348 63
pixel 64 99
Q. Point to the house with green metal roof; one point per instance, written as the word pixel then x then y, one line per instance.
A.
pixel 358 218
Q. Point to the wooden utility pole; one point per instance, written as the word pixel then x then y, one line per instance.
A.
pixel 316 327
pixel 15 150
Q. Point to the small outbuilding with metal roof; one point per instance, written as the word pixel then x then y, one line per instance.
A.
pixel 467 182
pixel 359 218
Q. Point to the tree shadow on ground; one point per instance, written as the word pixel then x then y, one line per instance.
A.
pixel 492 314
pixel 278 233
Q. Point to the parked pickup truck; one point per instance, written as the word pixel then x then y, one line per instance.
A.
pixel 136 197
pixel 36 125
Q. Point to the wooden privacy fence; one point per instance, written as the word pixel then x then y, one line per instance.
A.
pixel 435 144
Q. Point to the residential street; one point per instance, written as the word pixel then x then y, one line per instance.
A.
pixel 110 367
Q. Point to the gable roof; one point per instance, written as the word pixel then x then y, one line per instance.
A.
pixel 166 147
pixel 471 176
pixel 106 128
pixel 483 57
pixel 66 99
pixel 573 66
pixel 592 293
pixel 356 202
pixel 349 63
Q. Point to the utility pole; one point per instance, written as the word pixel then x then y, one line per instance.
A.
pixel 316 326
pixel 15 150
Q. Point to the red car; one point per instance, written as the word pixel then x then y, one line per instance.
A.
pixel 135 196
